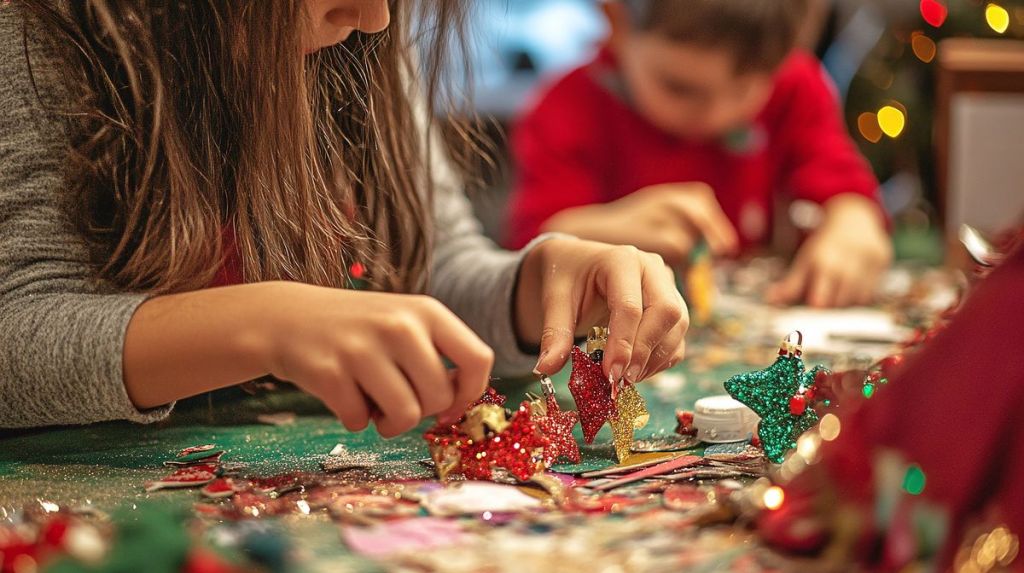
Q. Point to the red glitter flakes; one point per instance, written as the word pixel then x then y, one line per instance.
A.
pixel 189 476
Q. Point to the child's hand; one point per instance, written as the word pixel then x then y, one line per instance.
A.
pixel 375 356
pixel 567 286
pixel 840 263
pixel 667 219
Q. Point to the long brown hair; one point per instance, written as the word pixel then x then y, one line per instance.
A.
pixel 192 117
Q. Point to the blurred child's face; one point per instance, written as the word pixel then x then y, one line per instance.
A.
pixel 687 90
pixel 334 20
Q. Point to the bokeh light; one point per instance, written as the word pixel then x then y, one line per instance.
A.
pixel 923 46
pixel 867 123
pixel 998 18
pixel 892 121
pixel 829 427
pixel 990 551
pixel 914 480
pixel 934 12
pixel 807 447
pixel 773 497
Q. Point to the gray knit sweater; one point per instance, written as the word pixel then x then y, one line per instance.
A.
pixel 62 333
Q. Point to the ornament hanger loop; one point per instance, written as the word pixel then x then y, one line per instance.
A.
pixel 547 386
pixel 790 348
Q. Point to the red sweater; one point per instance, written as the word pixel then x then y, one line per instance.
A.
pixel 582 144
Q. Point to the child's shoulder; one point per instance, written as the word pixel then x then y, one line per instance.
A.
pixel 801 84
pixel 799 70
pixel 580 92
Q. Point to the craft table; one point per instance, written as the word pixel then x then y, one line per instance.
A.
pixel 105 465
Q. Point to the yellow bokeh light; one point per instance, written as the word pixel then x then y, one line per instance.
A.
pixel 998 18
pixel 773 497
pixel 923 46
pixel 892 121
pixel 867 123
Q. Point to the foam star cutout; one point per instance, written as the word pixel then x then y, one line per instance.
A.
pixel 768 393
pixel 592 392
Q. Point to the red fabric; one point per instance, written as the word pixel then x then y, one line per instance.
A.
pixel 582 144
pixel 956 408
pixel 230 272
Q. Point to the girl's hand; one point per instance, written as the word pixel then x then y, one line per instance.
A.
pixel 374 356
pixel 840 263
pixel 567 286
pixel 667 219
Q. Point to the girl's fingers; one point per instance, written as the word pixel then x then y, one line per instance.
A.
pixel 664 319
pixel 623 291
pixel 667 356
pixel 559 327
pixel 391 392
pixel 423 366
pixel 472 358
pixel 343 397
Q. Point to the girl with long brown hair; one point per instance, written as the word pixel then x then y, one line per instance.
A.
pixel 187 189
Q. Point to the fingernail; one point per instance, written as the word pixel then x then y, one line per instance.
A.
pixel 536 369
pixel 615 385
pixel 633 374
pixel 615 374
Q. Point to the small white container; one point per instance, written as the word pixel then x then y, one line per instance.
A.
pixel 721 419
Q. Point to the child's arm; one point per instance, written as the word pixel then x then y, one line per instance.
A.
pixel 667 219
pixel 354 350
pixel 561 160
pixel 60 337
pixel 840 263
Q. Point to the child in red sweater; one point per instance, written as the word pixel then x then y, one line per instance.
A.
pixel 694 115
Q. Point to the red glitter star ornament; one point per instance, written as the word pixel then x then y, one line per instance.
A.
pixel 475 446
pixel 518 449
pixel 491 396
pixel 592 392
pixel 556 424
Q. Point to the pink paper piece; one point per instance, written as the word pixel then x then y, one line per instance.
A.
pixel 653 471
pixel 402 536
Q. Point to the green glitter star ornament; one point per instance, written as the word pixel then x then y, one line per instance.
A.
pixel 780 395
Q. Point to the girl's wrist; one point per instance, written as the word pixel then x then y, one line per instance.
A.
pixel 265 321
